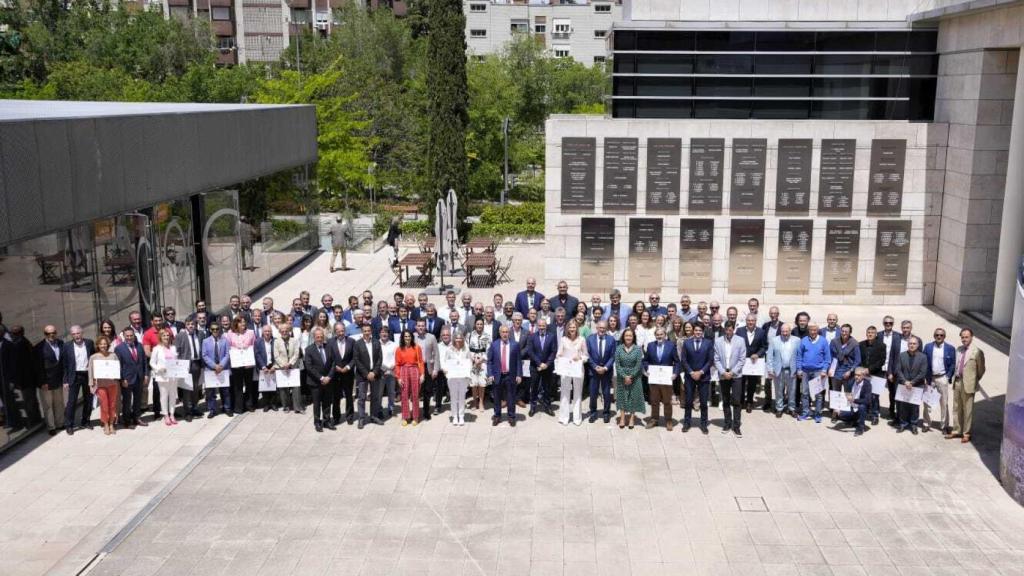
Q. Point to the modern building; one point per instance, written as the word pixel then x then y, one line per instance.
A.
pixel 855 151
pixel 569 30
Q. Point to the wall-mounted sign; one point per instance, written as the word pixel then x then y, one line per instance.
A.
pixel 835 185
pixel 620 165
pixel 793 177
pixel 793 267
pixel 578 170
pixel 892 257
pixel 748 168
pixel 842 256
pixel 885 184
pixel 707 156
pixel 696 253
pixel 746 256
pixel 664 156
pixel 645 249
pixel 597 254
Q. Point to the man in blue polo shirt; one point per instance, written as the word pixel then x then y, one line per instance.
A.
pixel 813 358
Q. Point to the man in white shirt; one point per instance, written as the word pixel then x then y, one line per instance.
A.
pixel 444 312
pixel 76 378
pixel 388 348
pixel 730 355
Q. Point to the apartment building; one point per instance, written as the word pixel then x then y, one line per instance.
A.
pixel 569 30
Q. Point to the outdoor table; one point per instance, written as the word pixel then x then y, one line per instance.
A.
pixel 481 261
pixel 422 261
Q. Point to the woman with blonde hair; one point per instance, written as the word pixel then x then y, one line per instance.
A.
pixel 162 352
pixel 573 347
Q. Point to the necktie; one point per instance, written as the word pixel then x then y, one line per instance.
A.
pixel 696 345
pixel 430 325
pixel 661 348
pixel 960 366
pixel 216 351
pixel 135 353
pixel 504 357
pixel 323 356
pixel 600 348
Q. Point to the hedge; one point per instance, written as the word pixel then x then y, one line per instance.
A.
pixel 525 220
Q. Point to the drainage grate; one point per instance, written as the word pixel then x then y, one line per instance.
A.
pixel 751 504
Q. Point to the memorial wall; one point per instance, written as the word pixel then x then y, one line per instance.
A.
pixel 793 210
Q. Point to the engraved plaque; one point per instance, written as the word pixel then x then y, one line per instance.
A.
pixel 892 257
pixel 663 158
pixel 793 178
pixel 835 185
pixel 578 170
pixel 620 161
pixel 748 167
pixel 645 254
pixel 746 256
pixel 793 268
pixel 597 254
pixel 706 175
pixel 885 185
pixel 842 256
pixel 696 253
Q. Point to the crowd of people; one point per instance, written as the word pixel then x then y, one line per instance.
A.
pixel 405 357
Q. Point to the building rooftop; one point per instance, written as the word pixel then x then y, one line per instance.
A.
pixel 20 110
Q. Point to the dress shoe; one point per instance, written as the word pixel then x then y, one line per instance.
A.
pixel 965 439
pixel 377 421
pixel 874 421
pixel 274 408
pixel 351 418
pixel 951 436
pixel 495 420
pixel 778 415
pixel 210 414
pixel 361 424
pixel 532 412
pixel 436 412
pixel 686 428
pixel 549 411
pixel 188 417
pixel 87 425
pixel 52 432
pixel 767 407
pixel 650 424
pixel 607 418
pixel 913 430
pixel 157 415
pixel 736 430
pixel 141 423
pixel 521 404
pixel 727 428
pixel 287 409
pixel 330 425
pixel 512 422
pixel 593 418
pixel 318 427
pixel 901 430
pixel 230 414
pixel 70 431
pixel 748 408
pixel 266 409
pixel 858 433
pixel 669 426
pixel 704 429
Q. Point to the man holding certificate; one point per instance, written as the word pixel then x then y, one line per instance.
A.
pixel 813 358
pixel 217 374
pixel 697 358
pixel 660 362
pixel 134 369
pixel 911 372
pixel 730 355
pixel 601 359
pixel 756 342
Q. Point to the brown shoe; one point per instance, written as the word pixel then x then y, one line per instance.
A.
pixel 965 439
pixel 651 424
pixel 951 436
pixel 521 404
pixel 668 426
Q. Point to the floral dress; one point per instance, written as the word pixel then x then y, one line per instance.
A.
pixel 629 363
pixel 478 345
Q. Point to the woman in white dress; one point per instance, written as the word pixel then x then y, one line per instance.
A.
pixel 479 342
pixel 572 347
pixel 457 386
pixel 163 352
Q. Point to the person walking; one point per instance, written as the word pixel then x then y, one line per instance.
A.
pixel 341 234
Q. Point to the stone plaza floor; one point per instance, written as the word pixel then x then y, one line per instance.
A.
pixel 265 494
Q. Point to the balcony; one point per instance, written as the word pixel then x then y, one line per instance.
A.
pixel 227 58
pixel 223 28
pixel 301 4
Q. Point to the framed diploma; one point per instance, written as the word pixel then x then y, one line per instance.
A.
pixel 267 381
pixel 242 357
pixel 659 375
pixel 213 380
pixel 458 367
pixel 287 378
pixel 106 369
pixel 179 369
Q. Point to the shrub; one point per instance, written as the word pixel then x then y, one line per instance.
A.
pixel 525 220
pixel 286 229
pixel 416 228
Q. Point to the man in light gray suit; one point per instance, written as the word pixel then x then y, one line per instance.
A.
pixel 189 344
pixel 341 233
pixel 730 355
pixel 431 364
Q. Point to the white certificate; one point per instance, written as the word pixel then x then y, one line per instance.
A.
pixel 213 380
pixel 287 378
pixel 837 401
pixel 242 357
pixel 569 367
pixel 714 374
pixel 526 369
pixel 179 369
pixel 913 396
pixel 268 382
pixel 106 369
pixel 753 367
pixel 816 386
pixel 659 374
pixel 933 398
pixel 877 385
pixel 458 367
pixel 832 368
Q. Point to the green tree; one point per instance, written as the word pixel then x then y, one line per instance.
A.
pixel 448 102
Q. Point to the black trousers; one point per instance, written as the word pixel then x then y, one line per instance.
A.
pixel 252 389
pixel 504 389
pixel 601 385
pixel 695 389
pixel 154 394
pixel 894 407
pixel 330 398
pixel 241 383
pixel 540 384
pixel 131 403
pixel 319 406
pixel 440 385
pixel 343 388
pixel 80 385
pixel 426 392
pixel 732 400
pixel 750 389
pixel 768 391
pixel 374 390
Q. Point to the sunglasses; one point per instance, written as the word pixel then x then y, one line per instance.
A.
pixel 940 335
pixel 887 323
pixel 49 333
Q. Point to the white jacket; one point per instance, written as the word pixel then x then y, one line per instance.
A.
pixel 158 363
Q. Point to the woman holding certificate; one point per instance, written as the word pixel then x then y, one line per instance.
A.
pixel 457 362
pixel 409 367
pixel 162 352
pixel 244 388
pixel 104 377
pixel 629 369
pixel 479 342
pixel 571 351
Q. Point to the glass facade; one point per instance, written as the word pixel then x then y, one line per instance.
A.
pixel 876 75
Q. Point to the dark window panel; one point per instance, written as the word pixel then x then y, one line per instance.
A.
pixel 846 64
pixel 663 109
pixel 664 64
pixel 846 41
pixel 672 86
pixel 783 64
pixel 781 109
pixel 723 109
pixel 624 63
pixel 725 41
pixel 924 41
pixel 623 109
pixel 785 41
pixel 916 65
pixel 724 64
pixel 724 86
pixel 892 41
pixel 890 87
pixel 782 87
pixel 654 40
pixel 922 99
pixel 891 110
pixel 841 110
pixel 842 87
pixel 623 86
pixel 624 40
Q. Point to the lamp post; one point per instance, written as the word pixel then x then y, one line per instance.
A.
pixel 373 212
pixel 504 130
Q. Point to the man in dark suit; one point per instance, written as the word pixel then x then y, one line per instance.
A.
pixel 318 364
pixel 23 376
pixel 661 352
pixel 697 357
pixel 341 377
pixel 771 329
pixel 433 322
pixel 600 360
pixel 263 354
pixel 528 298
pixel 383 318
pixel 542 348
pixel 189 344
pixel 76 356
pixel 757 348
pixel 521 336
pixel 134 368
pixel 503 371
pixel 50 375
pixel 367 359
pixel 893 342
pixel 171 321
pixel 564 300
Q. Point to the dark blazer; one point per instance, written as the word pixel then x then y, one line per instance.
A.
pixel 594 359
pixel 259 352
pixel 948 359
pixel 863 401
pixel 912 368
pixel 542 354
pixel 366 360
pixel 434 329
pixel 872 356
pixel 759 345
pixel 522 307
pixel 183 343
pixel 700 359
pixel 133 371
pixel 315 366
pixel 494 359
pixel 769 324
pixel 894 350
pixel 523 341
pixel 22 357
pixel 376 323
pixel 67 356
pixel 50 368
pixel 336 360
pixel 569 304
pixel 668 356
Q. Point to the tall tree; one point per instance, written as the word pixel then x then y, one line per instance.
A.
pixel 448 102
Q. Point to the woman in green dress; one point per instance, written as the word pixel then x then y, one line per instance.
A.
pixel 629 393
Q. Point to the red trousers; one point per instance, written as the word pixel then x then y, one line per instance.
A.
pixel 409 379
pixel 107 396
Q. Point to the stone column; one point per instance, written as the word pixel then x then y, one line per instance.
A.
pixel 1011 234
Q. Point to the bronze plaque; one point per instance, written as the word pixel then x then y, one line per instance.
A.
pixel 793 267
pixel 707 156
pixel 645 254
pixel 578 170
pixel 835 184
pixel 663 159
pixel 793 177
pixel 746 256
pixel 885 186
pixel 620 161
pixel 748 167
pixel 892 257
pixel 842 256
pixel 696 253
pixel 597 254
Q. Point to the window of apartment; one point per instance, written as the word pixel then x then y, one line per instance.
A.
pixel 478 7
pixel 300 16
pixel 540 28
pixel 561 51
pixel 478 33
pixel 599 59
pixel 603 8
pixel 520 25
pixel 563 27
pixel 600 33
pixel 221 13
pixel 225 43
